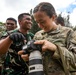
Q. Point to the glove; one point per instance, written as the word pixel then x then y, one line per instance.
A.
pixel 16 37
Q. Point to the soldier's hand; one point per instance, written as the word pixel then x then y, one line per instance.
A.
pixel 46 45
pixel 25 57
pixel 16 37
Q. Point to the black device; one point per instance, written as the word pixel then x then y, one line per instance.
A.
pixel 30 46
pixel 35 58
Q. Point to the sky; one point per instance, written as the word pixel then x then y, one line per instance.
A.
pixel 12 8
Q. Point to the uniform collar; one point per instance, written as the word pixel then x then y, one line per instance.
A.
pixel 54 31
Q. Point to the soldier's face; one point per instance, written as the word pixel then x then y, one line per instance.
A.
pixel 43 20
pixel 26 22
pixel 10 25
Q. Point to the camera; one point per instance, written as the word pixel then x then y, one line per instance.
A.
pixel 30 46
pixel 35 58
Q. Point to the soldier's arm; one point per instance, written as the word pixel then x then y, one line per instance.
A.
pixel 68 54
pixel 5 44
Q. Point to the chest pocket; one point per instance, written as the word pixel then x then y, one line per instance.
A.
pixel 56 38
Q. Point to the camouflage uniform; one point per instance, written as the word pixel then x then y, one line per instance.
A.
pixel 2 56
pixel 14 64
pixel 63 60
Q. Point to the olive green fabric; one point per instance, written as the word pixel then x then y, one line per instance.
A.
pixel 53 62
pixel 14 64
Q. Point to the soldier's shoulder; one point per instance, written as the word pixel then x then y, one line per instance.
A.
pixel 30 34
pixel 6 33
pixel 38 35
pixel 74 35
pixel 12 31
pixel 66 29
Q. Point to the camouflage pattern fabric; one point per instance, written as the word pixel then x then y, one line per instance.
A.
pixel 52 61
pixel 14 64
pixel 2 56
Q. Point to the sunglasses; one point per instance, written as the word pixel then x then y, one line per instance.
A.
pixel 9 23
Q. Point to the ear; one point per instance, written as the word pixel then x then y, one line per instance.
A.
pixel 54 17
pixel 19 21
pixel 15 26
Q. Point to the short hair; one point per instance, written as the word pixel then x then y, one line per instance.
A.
pixel 46 7
pixel 22 15
pixel 10 18
pixel 60 20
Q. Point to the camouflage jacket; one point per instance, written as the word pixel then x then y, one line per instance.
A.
pixel 64 58
pixel 14 64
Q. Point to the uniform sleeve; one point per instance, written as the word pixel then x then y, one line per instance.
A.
pixel 68 54
pixel 4 35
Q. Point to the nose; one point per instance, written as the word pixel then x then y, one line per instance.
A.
pixel 30 22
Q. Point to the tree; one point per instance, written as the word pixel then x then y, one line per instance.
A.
pixel 66 20
pixel 35 27
pixel 2 26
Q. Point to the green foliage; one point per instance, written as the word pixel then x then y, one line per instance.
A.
pixel 35 27
pixel 2 26
pixel 66 20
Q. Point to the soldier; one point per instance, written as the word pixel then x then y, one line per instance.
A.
pixel 58 49
pixel 10 25
pixel 14 64
pixel 60 20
